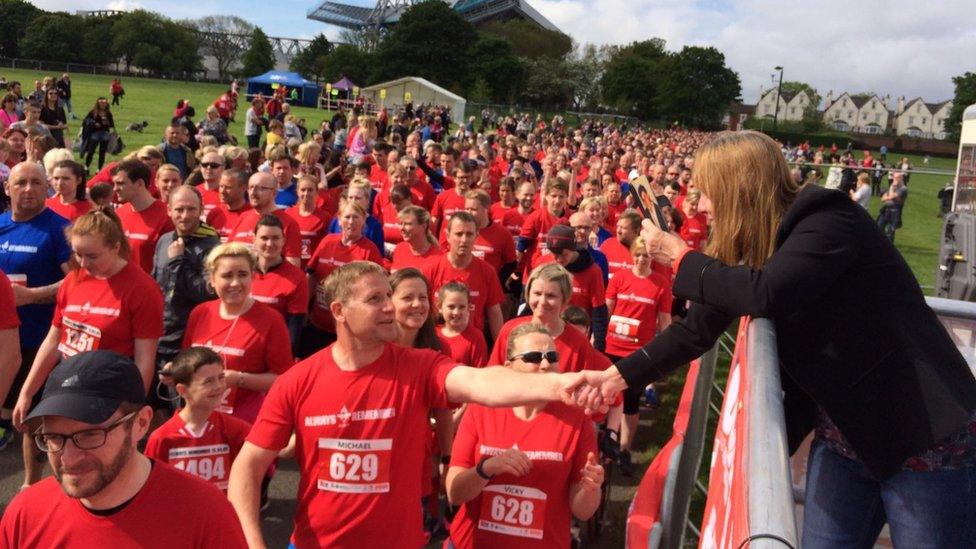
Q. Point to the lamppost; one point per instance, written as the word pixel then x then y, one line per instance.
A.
pixel 779 93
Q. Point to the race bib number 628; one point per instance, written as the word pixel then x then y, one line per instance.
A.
pixel 513 510
pixel 354 466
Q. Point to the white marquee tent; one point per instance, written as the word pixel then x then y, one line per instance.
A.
pixel 420 90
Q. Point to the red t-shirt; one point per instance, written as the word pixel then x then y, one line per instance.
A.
pixel 498 210
pixel 403 256
pixel 576 353
pixel 312 227
pixel 694 230
pixel 495 245
pixel 513 220
pixel 208 454
pixel 44 516
pixel 211 198
pixel 533 510
pixel 469 347
pixel 71 211
pixel 329 256
pixel 391 224
pixel 244 231
pixel 107 314
pixel 8 308
pixel 588 290
pixel 361 443
pixel 223 219
pixel 284 288
pixel 619 257
pixel 143 229
pixel 480 279
pixel 447 203
pixel 613 211
pixel 256 342
pixel 535 228
pixel 378 177
pixel 633 321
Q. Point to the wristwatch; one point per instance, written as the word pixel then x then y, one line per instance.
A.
pixel 480 469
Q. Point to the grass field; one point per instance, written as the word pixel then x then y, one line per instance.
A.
pixel 154 101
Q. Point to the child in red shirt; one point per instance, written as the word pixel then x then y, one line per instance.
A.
pixel 461 341
pixel 199 439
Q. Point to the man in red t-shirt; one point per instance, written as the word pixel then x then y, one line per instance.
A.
pixel 211 168
pixel 261 189
pixel 532 238
pixel 144 218
pixel 104 493
pixel 494 243
pixel 233 203
pixel 460 264
pixel 617 249
pixel 450 201
pixel 359 410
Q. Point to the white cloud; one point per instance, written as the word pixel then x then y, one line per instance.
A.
pixel 124 5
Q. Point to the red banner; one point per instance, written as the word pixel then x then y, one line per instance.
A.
pixel 645 508
pixel 726 520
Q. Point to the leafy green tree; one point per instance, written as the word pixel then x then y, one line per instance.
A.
pixel 796 87
pixel 15 15
pixel 632 75
pixel 492 60
pixel 97 41
pixel 529 40
pixel 587 65
pixel 132 30
pixel 431 40
pixel 181 49
pixel 311 60
pixel 346 60
pixel 549 83
pixel 259 57
pixel 696 87
pixel 53 37
pixel 965 96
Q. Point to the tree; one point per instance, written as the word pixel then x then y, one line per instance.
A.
pixel 346 60
pixel 15 15
pixel 796 87
pixel 965 96
pixel 529 40
pixel 225 37
pixel 492 61
pixel 431 40
pixel 696 87
pixel 132 30
pixel 259 57
pixel 311 60
pixel 96 44
pixel 587 65
pixel 53 37
pixel 630 80
pixel 366 39
pixel 548 83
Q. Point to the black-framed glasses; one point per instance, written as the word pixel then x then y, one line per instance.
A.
pixel 89 439
pixel 535 357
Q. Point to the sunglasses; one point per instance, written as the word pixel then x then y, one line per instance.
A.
pixel 535 357
pixel 211 165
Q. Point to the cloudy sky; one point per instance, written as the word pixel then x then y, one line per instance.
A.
pixel 898 47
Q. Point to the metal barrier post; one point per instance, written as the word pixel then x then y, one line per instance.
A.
pixel 770 490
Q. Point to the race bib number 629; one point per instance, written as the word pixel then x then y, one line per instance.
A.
pixel 354 466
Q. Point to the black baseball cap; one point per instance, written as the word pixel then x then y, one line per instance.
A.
pixel 90 386
pixel 561 237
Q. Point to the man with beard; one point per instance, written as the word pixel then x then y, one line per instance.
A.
pixel 104 493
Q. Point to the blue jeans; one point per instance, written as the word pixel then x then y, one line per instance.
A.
pixel 846 507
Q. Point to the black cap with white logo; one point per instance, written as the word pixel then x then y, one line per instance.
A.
pixel 90 386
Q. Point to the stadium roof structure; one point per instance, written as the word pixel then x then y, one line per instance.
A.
pixel 386 13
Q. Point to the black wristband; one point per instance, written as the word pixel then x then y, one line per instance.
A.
pixel 479 469
pixel 445 460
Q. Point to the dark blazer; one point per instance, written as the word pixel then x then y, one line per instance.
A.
pixel 854 333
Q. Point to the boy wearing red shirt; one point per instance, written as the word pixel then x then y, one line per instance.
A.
pixel 359 410
pixel 198 439
pixel 460 264
pixel 144 218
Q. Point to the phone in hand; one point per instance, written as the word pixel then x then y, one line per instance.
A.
pixel 645 202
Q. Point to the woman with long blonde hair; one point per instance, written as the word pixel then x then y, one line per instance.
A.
pixel 867 364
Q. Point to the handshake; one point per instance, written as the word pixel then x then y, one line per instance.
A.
pixel 592 390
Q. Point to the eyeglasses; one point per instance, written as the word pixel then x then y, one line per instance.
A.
pixel 263 189
pixel 535 357
pixel 88 439
pixel 211 165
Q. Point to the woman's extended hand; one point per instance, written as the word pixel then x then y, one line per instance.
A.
pixel 661 245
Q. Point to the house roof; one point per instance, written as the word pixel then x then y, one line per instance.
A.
pixel 861 100
pixel 912 102
pixel 935 107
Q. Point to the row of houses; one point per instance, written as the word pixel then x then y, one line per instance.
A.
pixel 861 113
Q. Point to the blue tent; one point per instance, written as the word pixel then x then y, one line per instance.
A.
pixel 308 91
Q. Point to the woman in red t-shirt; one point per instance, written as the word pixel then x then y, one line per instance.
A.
pixel 418 244
pixel 520 474
pixel 69 200
pixel 249 336
pixel 105 303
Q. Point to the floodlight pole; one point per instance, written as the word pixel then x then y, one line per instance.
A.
pixel 779 94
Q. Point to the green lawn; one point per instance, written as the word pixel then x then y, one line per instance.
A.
pixel 154 100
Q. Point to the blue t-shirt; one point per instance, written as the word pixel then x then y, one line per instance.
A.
pixel 34 249
pixel 287 197
pixel 177 157
pixel 372 230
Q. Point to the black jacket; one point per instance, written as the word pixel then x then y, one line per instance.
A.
pixel 854 333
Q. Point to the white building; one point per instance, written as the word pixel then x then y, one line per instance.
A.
pixel 856 113
pixel 920 119
pixel 791 105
